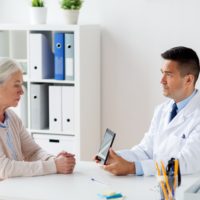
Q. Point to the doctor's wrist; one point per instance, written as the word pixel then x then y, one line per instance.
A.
pixel 131 168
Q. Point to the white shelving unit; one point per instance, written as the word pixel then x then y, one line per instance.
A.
pixel 84 140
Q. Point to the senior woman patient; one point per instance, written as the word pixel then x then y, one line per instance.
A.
pixel 19 154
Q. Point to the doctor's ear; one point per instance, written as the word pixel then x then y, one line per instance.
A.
pixel 189 79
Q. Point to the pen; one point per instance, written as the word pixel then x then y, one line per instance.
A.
pixel 166 180
pixel 161 183
pixel 175 173
pixel 93 179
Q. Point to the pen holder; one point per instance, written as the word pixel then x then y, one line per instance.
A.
pixel 168 178
pixel 167 191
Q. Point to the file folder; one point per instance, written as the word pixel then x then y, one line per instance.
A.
pixel 55 121
pixel 41 57
pixel 69 56
pixel 39 106
pixel 68 109
pixel 59 56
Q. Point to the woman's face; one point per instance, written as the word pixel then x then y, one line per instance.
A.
pixel 11 90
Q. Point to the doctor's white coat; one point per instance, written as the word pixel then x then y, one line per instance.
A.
pixel 179 139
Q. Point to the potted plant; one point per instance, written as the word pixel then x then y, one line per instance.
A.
pixel 71 10
pixel 38 12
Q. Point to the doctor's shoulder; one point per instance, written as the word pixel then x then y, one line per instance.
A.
pixel 165 106
pixel 160 112
pixel 196 113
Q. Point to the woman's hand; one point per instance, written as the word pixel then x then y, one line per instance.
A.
pixel 65 163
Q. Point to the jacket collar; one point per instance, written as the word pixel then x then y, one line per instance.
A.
pixel 185 112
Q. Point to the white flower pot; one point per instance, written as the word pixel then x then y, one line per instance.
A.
pixel 38 15
pixel 70 16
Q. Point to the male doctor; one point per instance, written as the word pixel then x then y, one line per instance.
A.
pixel 175 127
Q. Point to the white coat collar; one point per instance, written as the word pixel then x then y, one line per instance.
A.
pixel 185 112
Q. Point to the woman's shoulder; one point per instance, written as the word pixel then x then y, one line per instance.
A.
pixel 14 120
pixel 12 115
pixel 11 112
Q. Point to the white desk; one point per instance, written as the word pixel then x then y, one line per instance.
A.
pixel 78 186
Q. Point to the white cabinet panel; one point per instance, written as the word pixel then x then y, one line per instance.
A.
pixel 54 144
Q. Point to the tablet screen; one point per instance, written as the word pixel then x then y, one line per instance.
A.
pixel 105 145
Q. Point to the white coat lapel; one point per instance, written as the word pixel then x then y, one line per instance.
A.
pixel 166 115
pixel 179 118
pixel 186 112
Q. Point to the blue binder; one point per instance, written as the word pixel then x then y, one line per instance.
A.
pixel 69 56
pixel 59 55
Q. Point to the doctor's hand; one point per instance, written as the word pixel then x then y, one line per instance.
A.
pixel 65 164
pixel 118 166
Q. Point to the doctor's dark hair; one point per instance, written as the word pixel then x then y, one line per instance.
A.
pixel 186 58
pixel 7 68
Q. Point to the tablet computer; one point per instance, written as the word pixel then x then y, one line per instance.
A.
pixel 106 143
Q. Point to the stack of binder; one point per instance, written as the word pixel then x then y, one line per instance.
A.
pixel 61 109
pixel 46 65
pixel 64 56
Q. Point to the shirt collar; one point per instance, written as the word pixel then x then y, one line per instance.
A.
pixel 184 102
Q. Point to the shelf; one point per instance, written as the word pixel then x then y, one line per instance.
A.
pixel 42 27
pixel 53 81
pixel 49 132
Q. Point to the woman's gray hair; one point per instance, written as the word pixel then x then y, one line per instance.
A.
pixel 7 68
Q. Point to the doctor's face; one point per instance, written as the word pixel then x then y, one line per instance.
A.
pixel 172 82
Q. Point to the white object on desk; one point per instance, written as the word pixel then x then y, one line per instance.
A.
pixel 78 185
pixel 193 192
pixel 188 184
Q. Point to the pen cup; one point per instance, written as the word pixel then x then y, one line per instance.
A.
pixel 167 192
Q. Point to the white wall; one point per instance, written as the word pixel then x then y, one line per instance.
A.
pixel 134 33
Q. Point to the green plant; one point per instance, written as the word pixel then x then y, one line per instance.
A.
pixel 37 3
pixel 71 4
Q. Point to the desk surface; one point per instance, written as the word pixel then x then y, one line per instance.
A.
pixel 79 185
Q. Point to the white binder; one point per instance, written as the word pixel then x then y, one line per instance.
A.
pixel 39 106
pixel 55 121
pixel 68 109
pixel 41 57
